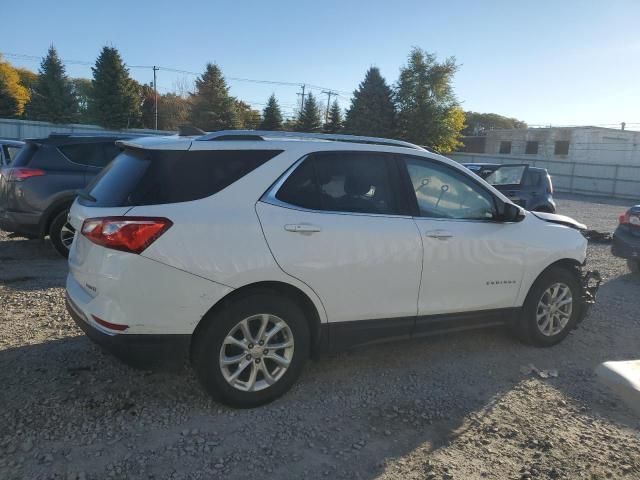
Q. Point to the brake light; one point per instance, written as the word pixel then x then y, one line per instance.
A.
pixel 19 174
pixel 127 234
pixel 624 218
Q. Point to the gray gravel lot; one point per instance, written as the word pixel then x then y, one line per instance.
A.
pixel 455 406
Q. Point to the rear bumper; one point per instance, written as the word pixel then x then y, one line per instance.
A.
pixel 141 351
pixel 625 245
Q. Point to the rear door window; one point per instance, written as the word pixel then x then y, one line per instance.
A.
pixel 157 177
pixel 358 182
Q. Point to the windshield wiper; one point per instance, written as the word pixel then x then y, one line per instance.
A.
pixel 86 195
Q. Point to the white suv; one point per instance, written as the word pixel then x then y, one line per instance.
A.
pixel 246 252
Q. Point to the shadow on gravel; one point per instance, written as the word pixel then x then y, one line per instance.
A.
pixel 31 265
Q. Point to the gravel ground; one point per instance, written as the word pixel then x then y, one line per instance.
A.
pixel 457 406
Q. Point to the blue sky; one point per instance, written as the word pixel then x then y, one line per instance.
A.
pixel 546 62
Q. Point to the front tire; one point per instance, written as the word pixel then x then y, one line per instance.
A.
pixel 551 309
pixel 252 351
pixel 634 265
pixel 61 233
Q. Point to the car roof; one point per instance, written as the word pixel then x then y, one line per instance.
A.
pixel 11 143
pixel 69 138
pixel 250 136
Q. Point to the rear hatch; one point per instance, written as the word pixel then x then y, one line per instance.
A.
pixel 138 178
pixel 9 178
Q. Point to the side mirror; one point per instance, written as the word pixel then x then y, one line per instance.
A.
pixel 510 213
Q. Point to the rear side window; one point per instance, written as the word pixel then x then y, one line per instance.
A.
pixel 159 177
pixel 356 182
pixel 91 154
pixel 24 156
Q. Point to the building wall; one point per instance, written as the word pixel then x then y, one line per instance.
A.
pixel 586 144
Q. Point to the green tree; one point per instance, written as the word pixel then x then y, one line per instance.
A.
pixel 52 95
pixel 13 95
pixel 271 115
pixel 479 123
pixel 173 111
pixel 248 117
pixel 334 124
pixel 82 88
pixel 212 106
pixel 428 112
pixel 372 111
pixel 147 106
pixel 309 119
pixel 115 96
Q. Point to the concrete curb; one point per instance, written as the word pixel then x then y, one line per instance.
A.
pixel 623 378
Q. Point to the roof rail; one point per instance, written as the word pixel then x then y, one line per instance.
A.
pixel 331 137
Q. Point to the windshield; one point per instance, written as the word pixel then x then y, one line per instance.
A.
pixel 507 175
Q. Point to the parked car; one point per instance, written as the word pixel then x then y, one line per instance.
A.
pixel 8 151
pixel 247 252
pixel 529 187
pixel 38 187
pixel 626 238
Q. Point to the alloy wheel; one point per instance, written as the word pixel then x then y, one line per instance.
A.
pixel 257 352
pixel 67 232
pixel 554 309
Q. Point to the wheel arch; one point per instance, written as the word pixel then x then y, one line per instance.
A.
pixel 54 209
pixel 570 264
pixel 291 292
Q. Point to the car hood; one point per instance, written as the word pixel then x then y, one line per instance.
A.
pixel 560 219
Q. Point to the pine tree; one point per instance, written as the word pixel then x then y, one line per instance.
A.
pixel 309 119
pixel 52 96
pixel 212 106
pixel 248 118
pixel 271 115
pixel 428 112
pixel 372 111
pixel 115 97
pixel 334 124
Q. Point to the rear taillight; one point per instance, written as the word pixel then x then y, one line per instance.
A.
pixel 128 234
pixel 624 218
pixel 18 174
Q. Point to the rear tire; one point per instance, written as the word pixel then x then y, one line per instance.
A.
pixel 224 346
pixel 551 309
pixel 61 233
pixel 634 265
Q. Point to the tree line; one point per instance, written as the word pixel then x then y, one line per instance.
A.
pixel 420 107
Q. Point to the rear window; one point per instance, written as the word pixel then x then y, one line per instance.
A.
pixel 92 154
pixel 25 155
pixel 158 177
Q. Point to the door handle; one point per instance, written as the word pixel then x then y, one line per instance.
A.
pixel 302 228
pixel 439 234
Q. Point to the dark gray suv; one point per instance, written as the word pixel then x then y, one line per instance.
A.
pixel 529 187
pixel 39 186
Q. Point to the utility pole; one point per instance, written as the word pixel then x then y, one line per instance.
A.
pixel 155 93
pixel 303 86
pixel 328 93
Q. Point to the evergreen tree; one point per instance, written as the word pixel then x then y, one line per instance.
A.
pixel 52 96
pixel 334 124
pixel 428 112
pixel 82 89
pixel 115 97
pixel 271 115
pixel 309 119
pixel 248 117
pixel 13 95
pixel 148 106
pixel 372 111
pixel 212 106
